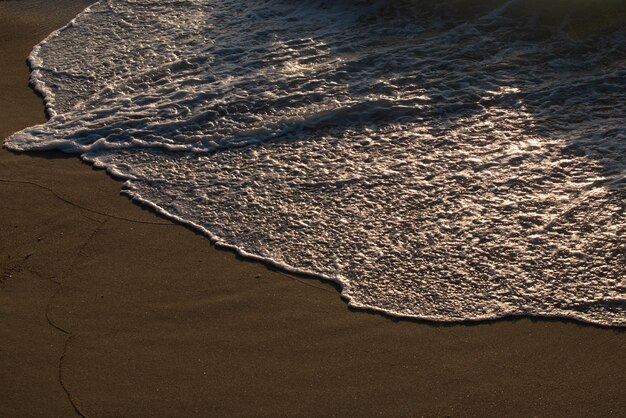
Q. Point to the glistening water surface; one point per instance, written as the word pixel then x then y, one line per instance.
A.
pixel 439 161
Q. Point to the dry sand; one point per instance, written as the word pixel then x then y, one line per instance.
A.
pixel 109 310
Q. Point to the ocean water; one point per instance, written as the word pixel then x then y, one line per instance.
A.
pixel 444 160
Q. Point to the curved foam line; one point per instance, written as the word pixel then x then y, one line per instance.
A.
pixel 343 284
pixel 49 100
pixel 35 64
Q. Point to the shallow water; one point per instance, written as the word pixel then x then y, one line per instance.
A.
pixel 438 163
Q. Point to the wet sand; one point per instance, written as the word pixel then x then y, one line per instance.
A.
pixel 109 310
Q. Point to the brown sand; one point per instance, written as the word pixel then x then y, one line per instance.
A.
pixel 109 310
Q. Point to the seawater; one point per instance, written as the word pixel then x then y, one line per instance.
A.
pixel 443 160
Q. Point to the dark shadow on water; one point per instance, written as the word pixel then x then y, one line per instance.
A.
pixel 49 155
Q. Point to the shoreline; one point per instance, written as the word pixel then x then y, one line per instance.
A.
pixel 109 309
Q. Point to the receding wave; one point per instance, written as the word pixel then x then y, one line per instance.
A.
pixel 446 160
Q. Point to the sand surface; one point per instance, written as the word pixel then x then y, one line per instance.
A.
pixel 109 310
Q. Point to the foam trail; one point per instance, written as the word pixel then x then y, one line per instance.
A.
pixel 438 161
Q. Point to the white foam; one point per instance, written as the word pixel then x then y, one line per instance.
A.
pixel 444 172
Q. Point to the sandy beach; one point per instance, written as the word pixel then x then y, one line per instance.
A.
pixel 107 309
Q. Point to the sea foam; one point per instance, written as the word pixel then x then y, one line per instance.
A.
pixel 436 165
